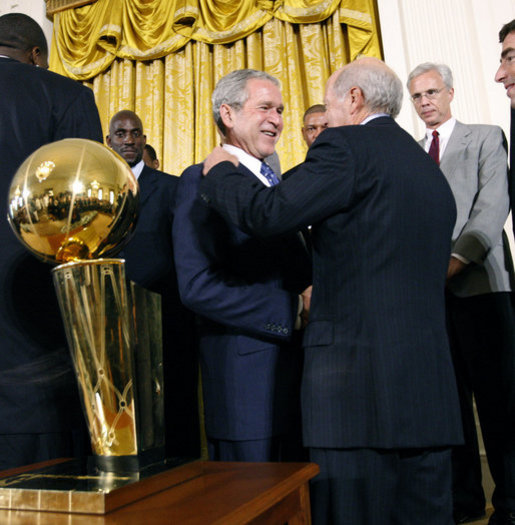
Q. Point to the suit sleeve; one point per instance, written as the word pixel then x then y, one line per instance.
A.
pixel 323 185
pixel 80 119
pixel 205 285
pixel 488 214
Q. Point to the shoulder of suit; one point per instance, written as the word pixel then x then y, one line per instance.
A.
pixel 479 128
pixel 160 175
pixel 61 84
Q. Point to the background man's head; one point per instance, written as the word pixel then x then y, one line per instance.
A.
pixel 22 38
pixel 126 136
pixel 247 108
pixel 315 121
pixel 150 157
pixel 362 88
pixel 431 89
pixel 506 72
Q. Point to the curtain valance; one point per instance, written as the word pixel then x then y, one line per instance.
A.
pixel 88 39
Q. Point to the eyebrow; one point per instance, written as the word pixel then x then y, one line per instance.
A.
pixel 506 51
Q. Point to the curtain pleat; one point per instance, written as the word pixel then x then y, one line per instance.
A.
pixel 161 59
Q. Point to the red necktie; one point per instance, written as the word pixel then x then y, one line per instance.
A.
pixel 434 149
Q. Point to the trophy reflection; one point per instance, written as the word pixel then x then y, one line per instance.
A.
pixel 74 203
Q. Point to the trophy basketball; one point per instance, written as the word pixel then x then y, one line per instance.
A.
pixel 74 203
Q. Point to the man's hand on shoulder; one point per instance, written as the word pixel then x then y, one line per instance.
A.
pixel 215 157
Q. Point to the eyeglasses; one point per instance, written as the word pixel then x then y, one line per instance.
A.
pixel 431 94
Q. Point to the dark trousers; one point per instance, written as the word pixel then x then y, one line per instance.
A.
pixel 382 487
pixel 18 450
pixel 277 448
pixel 482 339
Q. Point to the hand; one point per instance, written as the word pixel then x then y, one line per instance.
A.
pixel 215 157
pixel 455 267
pixel 306 300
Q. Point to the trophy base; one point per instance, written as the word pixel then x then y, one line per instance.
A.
pixel 126 464
pixel 69 486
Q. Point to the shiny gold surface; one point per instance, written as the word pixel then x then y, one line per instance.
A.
pixel 96 315
pixel 68 486
pixel 114 334
pixel 73 199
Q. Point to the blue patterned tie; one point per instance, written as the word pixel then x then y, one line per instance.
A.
pixel 269 174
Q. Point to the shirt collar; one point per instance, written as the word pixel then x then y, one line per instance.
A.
pixel 444 130
pixel 372 117
pixel 251 163
pixel 138 168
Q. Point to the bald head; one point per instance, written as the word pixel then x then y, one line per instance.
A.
pixel 361 88
pixel 126 136
pixel 22 39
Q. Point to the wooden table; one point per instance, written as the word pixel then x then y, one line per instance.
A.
pixel 216 493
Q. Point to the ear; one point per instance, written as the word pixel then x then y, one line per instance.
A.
pixel 227 116
pixel 36 57
pixel 144 140
pixel 356 99
pixel 451 92
pixel 108 140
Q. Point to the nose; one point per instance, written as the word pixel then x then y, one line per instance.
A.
pixel 275 117
pixel 424 99
pixel 500 75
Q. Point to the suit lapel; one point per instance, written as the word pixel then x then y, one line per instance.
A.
pixel 147 184
pixel 455 149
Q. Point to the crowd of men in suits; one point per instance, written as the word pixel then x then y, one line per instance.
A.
pixel 361 349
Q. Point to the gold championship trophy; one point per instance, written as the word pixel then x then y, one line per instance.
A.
pixel 74 202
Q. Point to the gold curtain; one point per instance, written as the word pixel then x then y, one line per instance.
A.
pixel 162 59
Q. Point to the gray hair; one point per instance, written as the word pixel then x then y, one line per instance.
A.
pixel 381 87
pixel 232 90
pixel 443 70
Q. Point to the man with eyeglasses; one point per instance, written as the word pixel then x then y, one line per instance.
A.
pixel 479 312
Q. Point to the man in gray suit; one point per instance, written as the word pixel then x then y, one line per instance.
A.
pixel 479 313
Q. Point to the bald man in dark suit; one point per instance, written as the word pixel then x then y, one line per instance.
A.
pixel 379 401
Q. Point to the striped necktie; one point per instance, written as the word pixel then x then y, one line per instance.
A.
pixel 269 174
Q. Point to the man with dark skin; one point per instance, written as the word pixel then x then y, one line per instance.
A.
pixel 40 412
pixel 149 262
pixel 315 121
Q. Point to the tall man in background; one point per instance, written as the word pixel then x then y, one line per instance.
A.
pixel 480 318
pixel 149 263
pixel 506 75
pixel 379 401
pixel 40 412
pixel 245 290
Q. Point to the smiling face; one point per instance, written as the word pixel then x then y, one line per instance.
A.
pixel 506 72
pixel 127 139
pixel 256 127
pixel 433 111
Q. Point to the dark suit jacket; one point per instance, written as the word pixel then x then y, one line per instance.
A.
pixel 38 390
pixel 149 262
pixel 246 291
pixel 378 372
